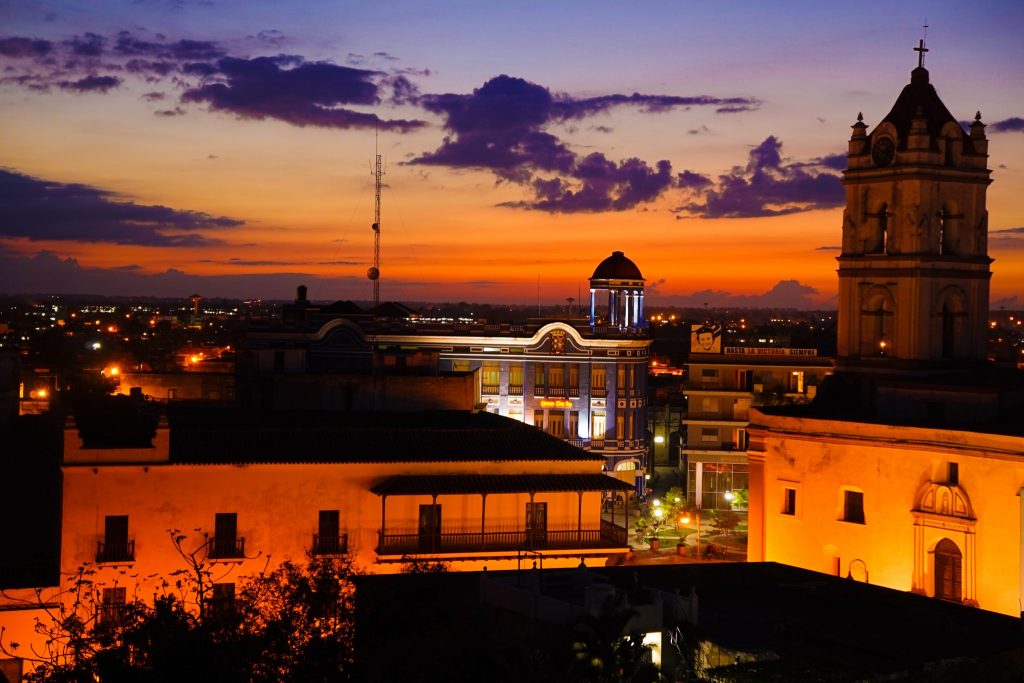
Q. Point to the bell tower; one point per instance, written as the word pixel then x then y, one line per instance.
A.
pixel 914 270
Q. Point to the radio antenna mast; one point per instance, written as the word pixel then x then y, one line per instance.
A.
pixel 374 271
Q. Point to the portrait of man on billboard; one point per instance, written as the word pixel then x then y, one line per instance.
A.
pixel 706 338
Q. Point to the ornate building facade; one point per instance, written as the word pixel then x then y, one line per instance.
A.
pixel 907 470
pixel 582 380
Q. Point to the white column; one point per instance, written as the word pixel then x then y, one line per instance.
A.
pixel 640 318
pixel 699 485
pixel 626 312
pixel 593 317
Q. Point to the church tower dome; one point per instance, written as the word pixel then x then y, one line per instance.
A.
pixel 914 269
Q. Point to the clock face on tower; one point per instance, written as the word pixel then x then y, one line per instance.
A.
pixel 883 151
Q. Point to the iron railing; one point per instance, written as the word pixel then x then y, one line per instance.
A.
pixel 607 536
pixel 330 545
pixel 224 548
pixel 120 551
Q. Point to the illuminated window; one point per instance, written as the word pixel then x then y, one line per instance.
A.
pixel 574 376
pixel 598 426
pixel 556 375
pixel 573 429
pixel 515 380
pixel 853 506
pixel 516 413
pixel 620 377
pixel 620 426
pixel 788 500
pixel 597 377
pixel 539 381
pixel 556 423
pixel 490 378
pixel 709 433
pixel 538 419
pixel 709 405
pixel 460 366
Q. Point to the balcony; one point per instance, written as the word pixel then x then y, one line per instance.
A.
pixel 515 389
pixel 121 551
pixel 598 392
pixel 557 392
pixel 490 389
pixel 225 548
pixel 607 536
pixel 330 545
pixel 573 392
pixel 540 390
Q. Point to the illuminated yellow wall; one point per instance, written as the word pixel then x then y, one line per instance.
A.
pixel 892 466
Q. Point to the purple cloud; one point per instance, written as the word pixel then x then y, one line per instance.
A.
pixel 91 84
pixel 44 210
pixel 88 45
pixel 21 48
pixel 566 107
pixel 769 186
pixel 182 50
pixel 284 87
pixel 691 180
pixel 500 127
pixel 308 94
pixel 1014 124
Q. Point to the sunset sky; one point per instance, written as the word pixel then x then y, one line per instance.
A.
pixel 224 146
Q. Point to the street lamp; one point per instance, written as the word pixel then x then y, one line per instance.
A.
pixel 686 520
pixel 729 496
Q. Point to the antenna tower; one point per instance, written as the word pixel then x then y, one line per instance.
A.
pixel 374 272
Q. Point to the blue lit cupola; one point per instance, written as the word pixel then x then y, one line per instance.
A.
pixel 622 280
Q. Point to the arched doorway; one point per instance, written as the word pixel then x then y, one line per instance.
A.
pixel 947 571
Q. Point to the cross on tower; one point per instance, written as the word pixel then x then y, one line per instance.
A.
pixel 920 50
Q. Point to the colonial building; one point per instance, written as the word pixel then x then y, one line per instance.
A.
pixel 239 489
pixel 582 380
pixel 720 390
pixel 907 469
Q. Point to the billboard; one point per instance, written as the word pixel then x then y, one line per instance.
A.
pixel 706 338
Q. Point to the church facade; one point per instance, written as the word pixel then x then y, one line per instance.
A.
pixel 907 469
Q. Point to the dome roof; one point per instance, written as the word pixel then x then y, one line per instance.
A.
pixel 617 267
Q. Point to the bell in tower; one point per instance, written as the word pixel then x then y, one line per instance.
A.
pixel 914 270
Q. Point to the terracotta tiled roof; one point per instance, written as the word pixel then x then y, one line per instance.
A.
pixel 413 485
pixel 210 435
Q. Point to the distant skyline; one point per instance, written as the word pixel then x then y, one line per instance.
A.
pixel 161 147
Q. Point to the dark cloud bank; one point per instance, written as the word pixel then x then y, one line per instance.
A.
pixel 46 210
pixel 504 126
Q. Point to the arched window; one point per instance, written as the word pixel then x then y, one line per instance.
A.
pixel 947 571
pixel 876 322
pixel 952 322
